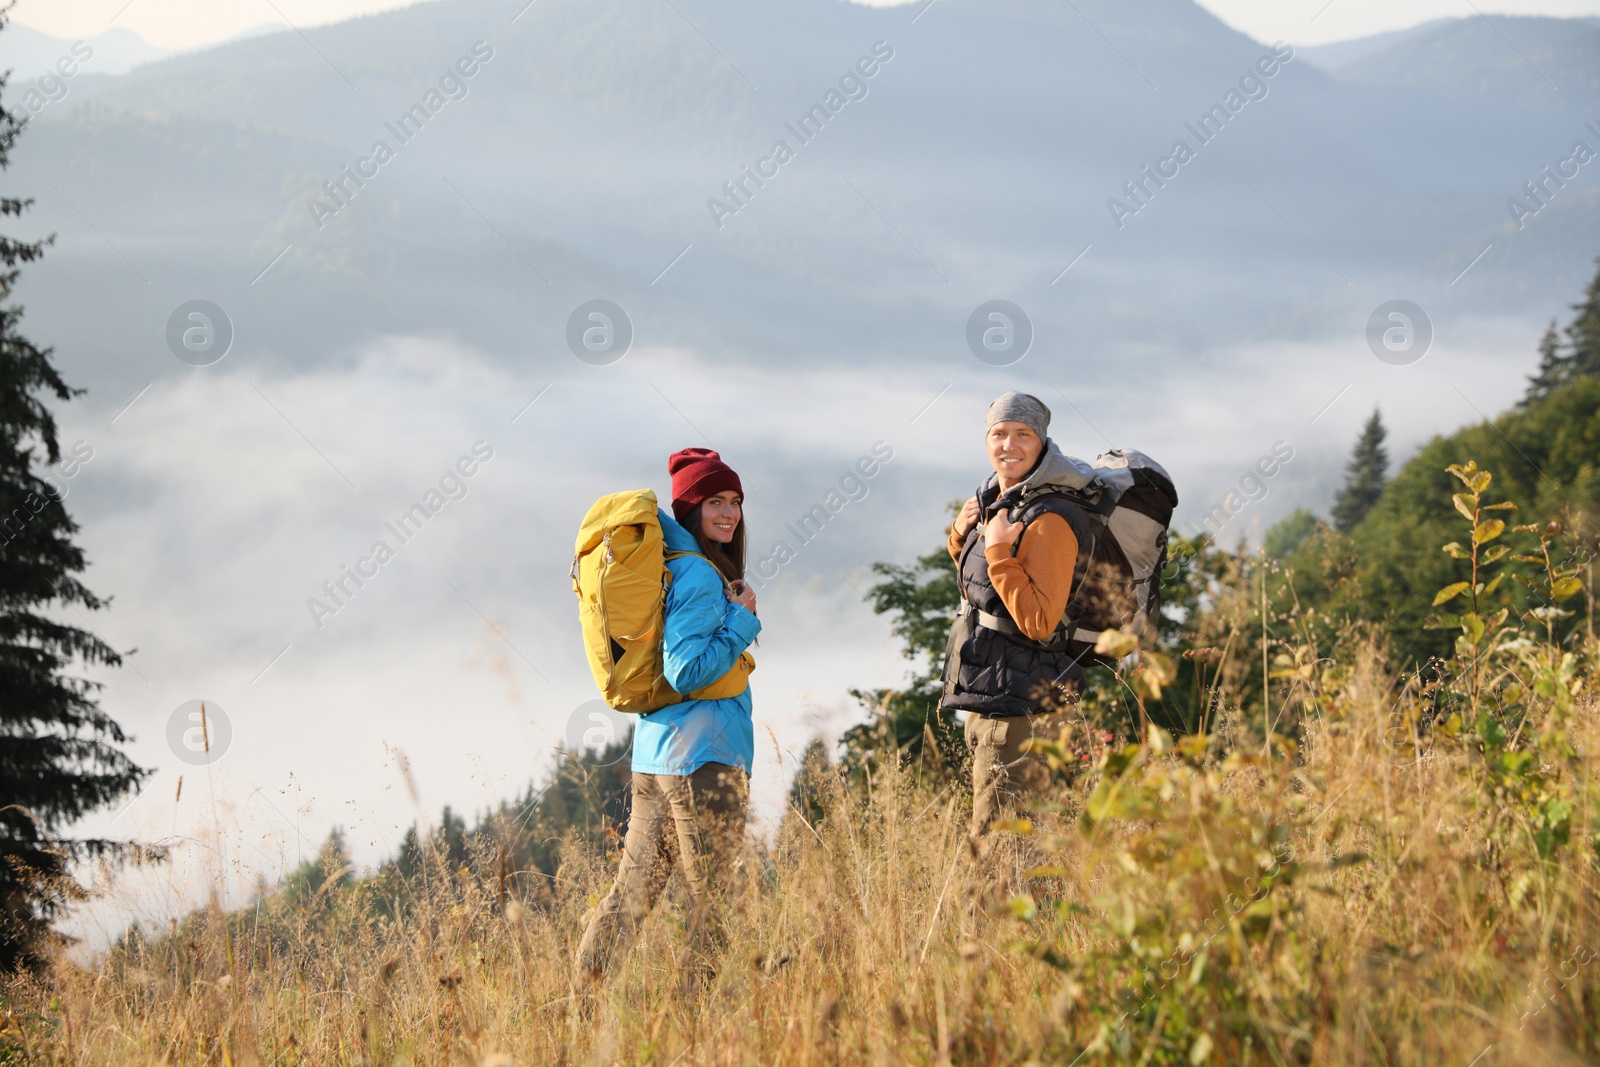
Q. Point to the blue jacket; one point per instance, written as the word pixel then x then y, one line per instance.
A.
pixel 705 632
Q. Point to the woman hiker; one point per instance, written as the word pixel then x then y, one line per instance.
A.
pixel 691 760
pixel 1008 666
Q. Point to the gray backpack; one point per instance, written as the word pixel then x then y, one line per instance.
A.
pixel 1133 497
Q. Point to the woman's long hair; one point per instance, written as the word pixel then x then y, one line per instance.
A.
pixel 727 558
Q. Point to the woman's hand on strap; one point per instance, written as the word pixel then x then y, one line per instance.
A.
pixel 743 595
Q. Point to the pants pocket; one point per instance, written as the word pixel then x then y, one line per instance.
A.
pixel 984 732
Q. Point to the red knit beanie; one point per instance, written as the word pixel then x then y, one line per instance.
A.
pixel 696 474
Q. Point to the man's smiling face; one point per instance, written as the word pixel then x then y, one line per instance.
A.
pixel 1013 450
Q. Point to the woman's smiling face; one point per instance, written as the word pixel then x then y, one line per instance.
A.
pixel 719 516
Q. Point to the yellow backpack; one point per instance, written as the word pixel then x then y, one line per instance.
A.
pixel 619 571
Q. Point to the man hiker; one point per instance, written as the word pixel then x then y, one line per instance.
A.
pixel 1016 545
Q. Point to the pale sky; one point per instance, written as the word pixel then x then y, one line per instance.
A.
pixel 190 23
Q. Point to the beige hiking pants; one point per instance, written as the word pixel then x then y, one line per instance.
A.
pixel 692 822
pixel 1004 778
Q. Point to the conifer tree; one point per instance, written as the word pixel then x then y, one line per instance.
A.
pixel 1364 476
pixel 59 752
pixel 1555 367
pixel 1583 333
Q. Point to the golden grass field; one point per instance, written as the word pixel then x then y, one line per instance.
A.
pixel 1353 902
pixel 1408 874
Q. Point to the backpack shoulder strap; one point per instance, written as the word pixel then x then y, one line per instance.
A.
pixel 1029 512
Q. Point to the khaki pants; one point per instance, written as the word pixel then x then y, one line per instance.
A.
pixel 692 822
pixel 1004 776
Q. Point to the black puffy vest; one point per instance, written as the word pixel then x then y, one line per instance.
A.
pixel 1000 671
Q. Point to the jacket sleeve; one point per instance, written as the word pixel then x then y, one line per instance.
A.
pixel 705 631
pixel 954 543
pixel 1036 584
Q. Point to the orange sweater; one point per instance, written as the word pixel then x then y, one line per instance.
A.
pixel 1035 585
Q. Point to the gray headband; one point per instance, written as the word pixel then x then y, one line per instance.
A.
pixel 1023 408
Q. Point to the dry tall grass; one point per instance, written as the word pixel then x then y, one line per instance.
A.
pixel 1350 903
pixel 1414 880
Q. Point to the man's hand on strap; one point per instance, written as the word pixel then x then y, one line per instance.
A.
pixel 1000 530
pixel 967 519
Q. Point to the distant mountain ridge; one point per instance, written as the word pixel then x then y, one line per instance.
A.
pixel 1481 57
pixel 29 54
pixel 1340 54
pixel 984 157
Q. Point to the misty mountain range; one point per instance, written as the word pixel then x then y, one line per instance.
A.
pixel 980 164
